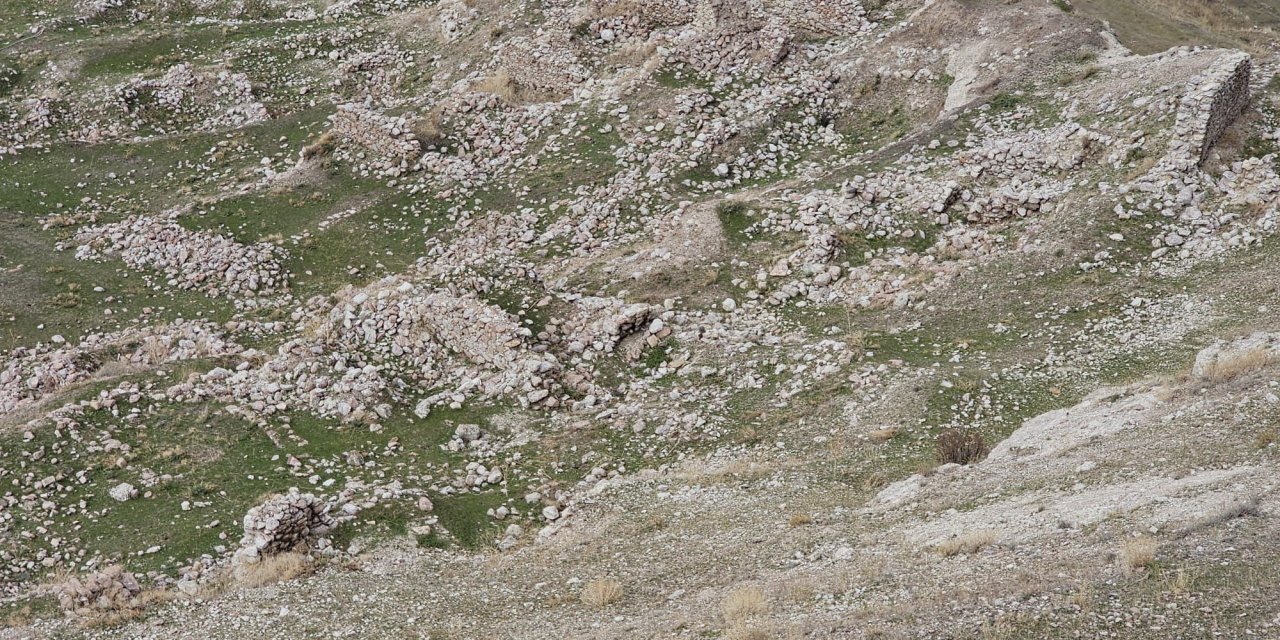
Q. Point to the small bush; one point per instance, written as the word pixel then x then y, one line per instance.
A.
pixel 734 218
pixel 1005 101
pixel 744 632
pixel 744 603
pixel 601 593
pixel 961 446
pixel 500 84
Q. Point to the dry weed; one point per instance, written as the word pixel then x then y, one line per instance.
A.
pixel 966 544
pixel 273 569
pixel 1229 366
pixel 961 446
pixel 1136 554
pixel 744 603
pixel 601 593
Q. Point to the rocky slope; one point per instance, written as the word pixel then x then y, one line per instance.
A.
pixel 645 318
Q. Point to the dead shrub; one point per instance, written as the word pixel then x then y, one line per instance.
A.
pixel 276 568
pixel 601 593
pixel 961 446
pixel 1136 554
pixel 800 520
pixel 322 148
pixel 881 436
pixel 1245 508
pixel 744 603
pixel 966 544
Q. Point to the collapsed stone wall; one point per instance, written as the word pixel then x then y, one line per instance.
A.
pixel 212 263
pixel 389 140
pixel 110 589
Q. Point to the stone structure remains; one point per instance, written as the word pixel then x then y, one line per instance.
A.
pixel 112 588
pixel 392 146
pixel 212 263
pixel 1212 102
pixel 283 523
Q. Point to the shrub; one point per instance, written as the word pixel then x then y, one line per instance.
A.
pixel 961 446
pixel 601 593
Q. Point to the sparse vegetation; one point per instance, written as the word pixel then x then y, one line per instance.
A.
pixel 601 593
pixel 625 291
pixel 1231 365
pixel 275 568
pixel 744 603
pixel 966 543
pixel 1136 554
pixel 961 446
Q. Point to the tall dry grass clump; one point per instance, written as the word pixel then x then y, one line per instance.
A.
pixel 601 593
pixel 1136 554
pixel 744 603
pixel 961 446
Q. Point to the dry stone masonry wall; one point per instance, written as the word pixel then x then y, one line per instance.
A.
pixel 1211 103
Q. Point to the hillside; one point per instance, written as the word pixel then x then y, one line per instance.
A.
pixel 743 319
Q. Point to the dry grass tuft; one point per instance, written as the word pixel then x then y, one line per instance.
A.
pixel 880 436
pixel 1230 366
pixel 601 593
pixel 1137 554
pixel 966 544
pixel 744 603
pixel 961 446
pixel 322 148
pixel 748 632
pixel 500 84
pixel 276 568
pixel 132 611
pixel 1244 508
pixel 800 520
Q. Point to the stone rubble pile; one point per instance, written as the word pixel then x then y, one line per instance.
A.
pixel 544 65
pixel 28 374
pixel 21 129
pixel 283 523
pixel 111 589
pixel 211 263
pixel 455 17
pixel 389 143
pixel 486 138
pixel 375 74
pixel 602 323
pixel 212 101
pixel 427 330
